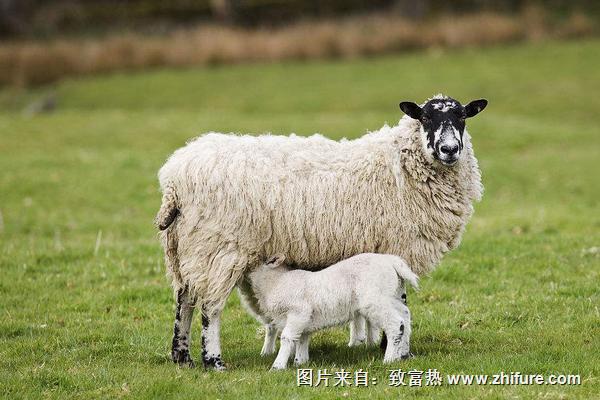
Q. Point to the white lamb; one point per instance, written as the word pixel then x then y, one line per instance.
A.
pixel 361 331
pixel 230 201
pixel 298 302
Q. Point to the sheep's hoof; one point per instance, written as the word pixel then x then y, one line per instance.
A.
pixel 214 363
pixel 182 358
pixel 220 368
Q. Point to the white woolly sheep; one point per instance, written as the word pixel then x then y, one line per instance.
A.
pixel 298 302
pixel 230 201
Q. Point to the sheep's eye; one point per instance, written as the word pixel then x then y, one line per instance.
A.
pixel 425 120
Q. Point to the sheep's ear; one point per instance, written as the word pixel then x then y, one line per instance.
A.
pixel 475 107
pixel 411 109
pixel 275 260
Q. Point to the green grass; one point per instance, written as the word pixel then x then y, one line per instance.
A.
pixel 79 320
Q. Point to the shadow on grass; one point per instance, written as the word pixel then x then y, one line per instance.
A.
pixel 325 353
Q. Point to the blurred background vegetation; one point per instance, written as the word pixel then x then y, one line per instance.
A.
pixel 39 17
pixel 43 41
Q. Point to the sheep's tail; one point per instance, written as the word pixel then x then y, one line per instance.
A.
pixel 166 218
pixel 404 272
pixel 168 209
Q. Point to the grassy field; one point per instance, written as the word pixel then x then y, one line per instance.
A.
pixel 85 309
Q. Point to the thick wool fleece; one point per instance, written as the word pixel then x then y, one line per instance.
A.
pixel 315 200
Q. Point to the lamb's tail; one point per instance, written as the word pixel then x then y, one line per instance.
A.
pixel 168 209
pixel 404 272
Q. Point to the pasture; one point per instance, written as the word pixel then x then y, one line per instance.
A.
pixel 85 308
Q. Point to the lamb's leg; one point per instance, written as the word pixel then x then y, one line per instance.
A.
pixel 286 347
pixel 373 333
pixel 270 338
pixel 211 341
pixel 358 333
pixel 184 312
pixel 302 350
pixel 290 335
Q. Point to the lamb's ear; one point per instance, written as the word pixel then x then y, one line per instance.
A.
pixel 411 109
pixel 475 107
pixel 276 260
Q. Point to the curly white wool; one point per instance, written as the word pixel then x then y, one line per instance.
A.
pixel 315 200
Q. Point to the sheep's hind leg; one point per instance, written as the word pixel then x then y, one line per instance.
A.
pixel 217 289
pixel 302 350
pixel 270 338
pixel 358 332
pixel 373 333
pixel 180 351
pixel 211 341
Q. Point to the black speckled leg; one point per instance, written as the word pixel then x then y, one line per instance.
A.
pixel 211 343
pixel 184 312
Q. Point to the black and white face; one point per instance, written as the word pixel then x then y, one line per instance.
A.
pixel 443 125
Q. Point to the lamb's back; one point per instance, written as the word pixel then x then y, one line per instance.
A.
pixel 370 272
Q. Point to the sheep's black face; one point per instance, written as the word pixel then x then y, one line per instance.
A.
pixel 443 125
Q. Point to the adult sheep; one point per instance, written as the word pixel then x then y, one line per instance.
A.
pixel 231 201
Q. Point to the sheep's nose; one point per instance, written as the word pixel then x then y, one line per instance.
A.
pixel 449 150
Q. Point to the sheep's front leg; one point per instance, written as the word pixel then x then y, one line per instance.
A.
pixel 286 347
pixel 302 350
pixel 270 338
pixel 211 341
pixel 184 312
pixel 290 335
pixel 358 332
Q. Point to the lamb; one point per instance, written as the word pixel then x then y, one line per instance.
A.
pixel 298 302
pixel 230 201
pixel 361 331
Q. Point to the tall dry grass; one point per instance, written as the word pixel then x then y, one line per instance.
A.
pixel 31 63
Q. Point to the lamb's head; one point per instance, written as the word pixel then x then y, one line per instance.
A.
pixel 442 125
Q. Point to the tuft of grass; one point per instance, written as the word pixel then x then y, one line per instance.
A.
pixel 83 317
